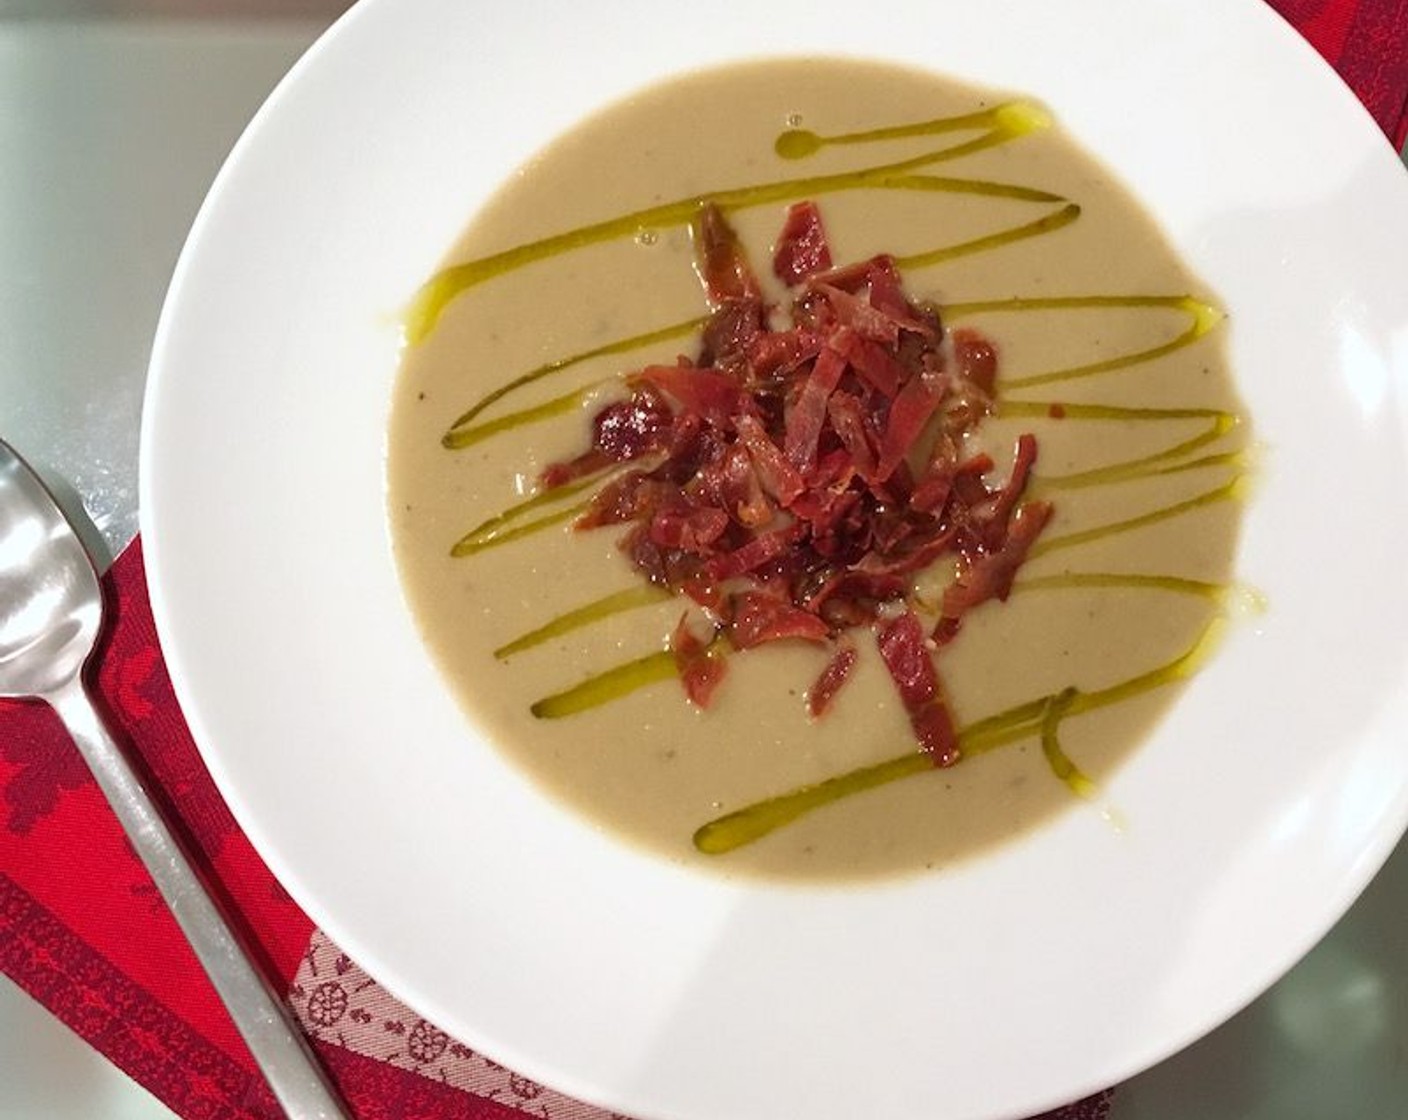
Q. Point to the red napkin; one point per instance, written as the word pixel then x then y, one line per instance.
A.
pixel 1367 42
pixel 84 932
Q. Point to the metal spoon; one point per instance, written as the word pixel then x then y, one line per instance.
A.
pixel 51 609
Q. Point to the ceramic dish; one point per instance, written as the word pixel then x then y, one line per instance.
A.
pixel 1060 963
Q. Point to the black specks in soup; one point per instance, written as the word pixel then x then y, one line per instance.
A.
pixel 822 546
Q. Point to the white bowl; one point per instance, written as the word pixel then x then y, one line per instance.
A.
pixel 1061 963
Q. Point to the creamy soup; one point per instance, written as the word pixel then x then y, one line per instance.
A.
pixel 581 271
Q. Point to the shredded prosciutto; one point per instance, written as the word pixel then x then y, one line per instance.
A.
pixel 778 476
pixel 758 551
pixel 976 358
pixel 802 248
pixel 771 352
pixel 688 529
pixel 622 431
pixel 759 618
pixel 874 362
pixel 700 672
pixel 856 312
pixel 632 428
pixel 907 657
pixel 625 498
pixel 733 486
pixel 723 264
pixel 560 474
pixel 797 473
pixel 714 397
pixel 828 684
pixel 909 412
pixel 999 514
pixel 887 296
pixel 990 574
pixel 807 417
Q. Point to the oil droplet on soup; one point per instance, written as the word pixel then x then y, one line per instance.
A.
pixel 1109 355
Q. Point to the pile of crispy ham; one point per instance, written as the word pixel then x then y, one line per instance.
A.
pixel 793 481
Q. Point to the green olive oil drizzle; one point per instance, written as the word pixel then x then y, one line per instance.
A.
pixel 1063 217
pixel 945 184
pixel 469 546
pixel 1041 717
pixel 453 438
pixel 1060 762
pixel 753 822
pixel 620 681
pixel 508 525
pixel 1202 318
pixel 1000 124
pixel 1157 463
pixel 610 685
pixel 1227 598
pixel 1219 423
pixel 1220 493
pixel 456 439
pixel 799 143
pixel 1138 581
pixel 640 595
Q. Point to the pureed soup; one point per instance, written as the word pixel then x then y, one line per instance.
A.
pixel 816 469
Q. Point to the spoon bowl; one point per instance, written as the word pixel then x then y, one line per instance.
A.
pixel 50 600
pixel 51 613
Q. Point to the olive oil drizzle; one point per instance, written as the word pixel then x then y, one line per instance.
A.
pixel 1139 581
pixel 602 688
pixel 612 684
pixel 456 439
pixel 1041 717
pixel 641 595
pixel 1202 318
pixel 508 525
pixel 621 680
pixel 1219 493
pixel 799 143
pixel 1063 217
pixel 753 822
pixel 1060 762
pixel 455 436
pixel 1218 424
pixel 1144 466
pixel 999 125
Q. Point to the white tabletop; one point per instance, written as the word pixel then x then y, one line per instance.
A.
pixel 114 117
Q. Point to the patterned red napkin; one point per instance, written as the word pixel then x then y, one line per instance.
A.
pixel 1367 42
pixel 84 932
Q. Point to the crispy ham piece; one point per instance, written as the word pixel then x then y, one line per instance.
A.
pixel 802 248
pixel 759 618
pixel 903 648
pixel 828 684
pixel 700 672
pixel 722 263
pixel 794 479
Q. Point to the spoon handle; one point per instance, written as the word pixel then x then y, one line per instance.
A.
pixel 262 1018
